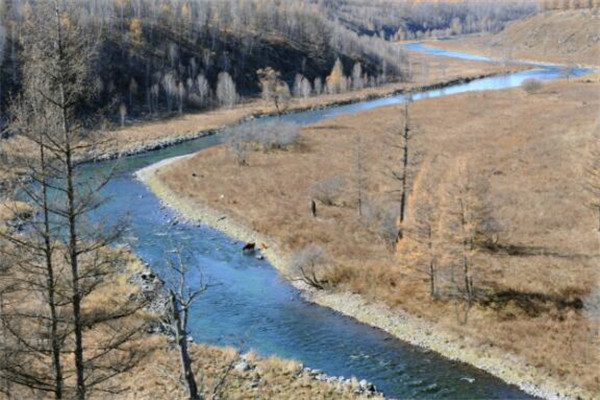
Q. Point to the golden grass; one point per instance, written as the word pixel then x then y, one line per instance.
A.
pixel 565 37
pixel 529 148
pixel 14 209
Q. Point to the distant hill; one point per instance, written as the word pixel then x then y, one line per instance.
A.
pixel 571 37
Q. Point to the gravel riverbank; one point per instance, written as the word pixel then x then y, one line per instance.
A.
pixel 413 330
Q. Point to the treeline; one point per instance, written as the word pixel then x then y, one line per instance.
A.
pixel 167 55
pixel 413 19
pixel 569 4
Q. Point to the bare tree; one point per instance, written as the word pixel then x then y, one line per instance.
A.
pixel 401 174
pixel 226 91
pixel 238 142
pixel 308 264
pixel 424 231
pixel 471 223
pixel 122 113
pixel 170 87
pixel 57 63
pixel 203 89
pixel 274 89
pixel 180 96
pixel 359 155
pixel 318 85
pixel 593 173
pixel 328 190
pixel 182 296
pixel 357 78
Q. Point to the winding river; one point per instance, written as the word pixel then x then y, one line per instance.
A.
pixel 251 306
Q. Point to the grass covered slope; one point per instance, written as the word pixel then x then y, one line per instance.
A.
pixel 532 288
pixel 565 37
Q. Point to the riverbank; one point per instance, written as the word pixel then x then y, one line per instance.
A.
pixel 141 137
pixel 550 262
pixel 413 330
pixel 220 371
pixel 567 38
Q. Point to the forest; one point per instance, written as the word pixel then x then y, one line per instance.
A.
pixel 167 55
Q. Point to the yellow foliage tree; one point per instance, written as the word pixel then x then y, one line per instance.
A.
pixel 135 28
pixel 334 80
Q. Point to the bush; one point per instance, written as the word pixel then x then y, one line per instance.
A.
pixel 531 85
pixel 382 222
pixel 309 264
pixel 329 190
pixel 237 140
pixel 275 135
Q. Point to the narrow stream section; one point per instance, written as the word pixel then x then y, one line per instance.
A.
pixel 250 306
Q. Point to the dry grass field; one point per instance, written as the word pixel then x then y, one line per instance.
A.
pixel 564 37
pixel 533 288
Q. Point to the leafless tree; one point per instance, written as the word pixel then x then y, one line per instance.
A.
pixel 425 232
pixel 274 89
pixel 203 89
pixel 328 190
pixel 122 113
pixel 226 91
pixel 357 77
pixel 318 85
pixel 401 174
pixel 593 173
pixel 471 222
pixel 180 96
pixel 238 142
pixel 359 168
pixel 182 296
pixel 169 83
pixel 133 91
pixel 60 85
pixel 309 264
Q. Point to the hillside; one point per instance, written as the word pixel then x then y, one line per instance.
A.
pixel 566 37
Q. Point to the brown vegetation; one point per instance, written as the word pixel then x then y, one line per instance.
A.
pixel 427 70
pixel 565 37
pixel 528 282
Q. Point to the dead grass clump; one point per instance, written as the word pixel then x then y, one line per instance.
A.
pixel 531 85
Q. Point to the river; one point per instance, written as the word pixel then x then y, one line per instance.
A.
pixel 250 306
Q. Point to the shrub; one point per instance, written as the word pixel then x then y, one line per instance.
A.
pixel 382 222
pixel 309 265
pixel 237 140
pixel 531 85
pixel 275 135
pixel 328 190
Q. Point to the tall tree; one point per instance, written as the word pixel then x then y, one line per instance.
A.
pixel 274 89
pixel 401 174
pixel 53 114
pixel 182 296
pixel 593 174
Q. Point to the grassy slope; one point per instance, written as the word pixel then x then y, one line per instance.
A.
pixel 529 147
pixel 566 37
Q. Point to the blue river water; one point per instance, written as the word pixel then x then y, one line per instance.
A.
pixel 249 305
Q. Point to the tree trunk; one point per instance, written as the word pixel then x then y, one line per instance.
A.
pixel 50 282
pixel 405 138
pixel 180 318
pixel 72 218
